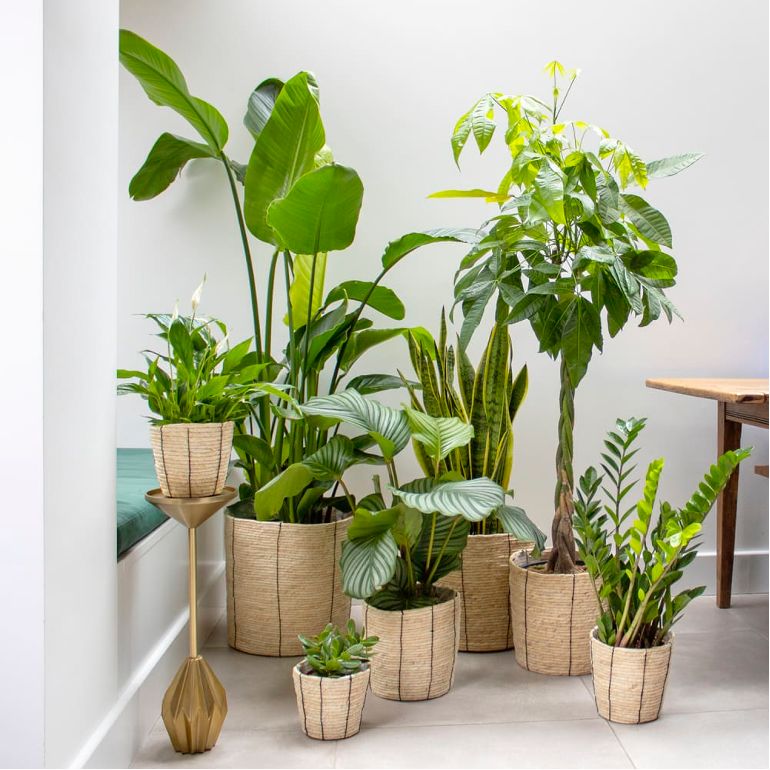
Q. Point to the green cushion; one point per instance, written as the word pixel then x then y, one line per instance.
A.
pixel 136 517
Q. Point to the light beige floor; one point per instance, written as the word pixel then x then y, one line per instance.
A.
pixel 498 715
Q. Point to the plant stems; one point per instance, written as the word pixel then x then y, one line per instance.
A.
pixel 269 307
pixel 432 535
pixel 441 552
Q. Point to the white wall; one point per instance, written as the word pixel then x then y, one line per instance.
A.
pixel 21 297
pixel 666 77
pixel 81 109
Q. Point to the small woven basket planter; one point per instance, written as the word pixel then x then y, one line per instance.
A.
pixel 417 651
pixel 282 580
pixel 552 619
pixel 485 622
pixel 192 459
pixel 629 683
pixel 330 708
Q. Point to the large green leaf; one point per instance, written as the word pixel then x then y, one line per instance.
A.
pixel 331 461
pixel 672 165
pixel 320 212
pixel 473 499
pixel 285 150
pixel 269 499
pixel 388 427
pixel 438 435
pixel 368 563
pixel 299 292
pixel 163 82
pixel 396 250
pixel 166 160
pixel 368 522
pixel 374 383
pixel 651 223
pixel 261 103
pixel 549 187
pixel 380 298
pixel 482 124
pixel 582 331
pixel 364 340
pixel 516 522
pixel 490 197
pixel 658 268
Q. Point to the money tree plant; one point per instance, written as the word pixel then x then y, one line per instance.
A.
pixel 573 250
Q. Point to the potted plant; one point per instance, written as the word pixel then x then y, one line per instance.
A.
pixel 304 207
pixel 199 389
pixel 331 682
pixel 404 538
pixel 634 566
pixel 568 248
pixel 488 398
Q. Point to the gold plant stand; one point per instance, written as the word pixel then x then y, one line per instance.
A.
pixel 195 704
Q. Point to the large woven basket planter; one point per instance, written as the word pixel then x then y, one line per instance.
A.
pixel 629 683
pixel 330 708
pixel 485 622
pixel 417 651
pixel 192 459
pixel 282 580
pixel 552 619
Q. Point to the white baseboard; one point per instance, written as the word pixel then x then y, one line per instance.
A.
pixel 117 739
pixel 750 572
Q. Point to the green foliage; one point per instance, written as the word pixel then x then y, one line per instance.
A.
pixel 570 251
pixel 335 653
pixel 635 565
pixel 306 207
pixel 198 378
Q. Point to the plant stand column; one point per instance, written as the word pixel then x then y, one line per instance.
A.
pixel 195 704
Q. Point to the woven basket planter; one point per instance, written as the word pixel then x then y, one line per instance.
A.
pixel 192 459
pixel 282 580
pixel 330 708
pixel 485 622
pixel 552 618
pixel 629 683
pixel 417 651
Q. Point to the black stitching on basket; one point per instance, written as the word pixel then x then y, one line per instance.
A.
pixel 400 653
pixel 454 640
pixel 347 716
pixel 189 466
pixel 163 457
pixel 665 679
pixel 609 686
pixel 510 620
pixel 232 564
pixel 321 697
pixel 465 607
pixel 526 645
pixel 430 681
pixel 277 586
pixel 302 699
pixel 334 575
pixel 641 695
pixel 571 612
pixel 219 464
pixel 593 675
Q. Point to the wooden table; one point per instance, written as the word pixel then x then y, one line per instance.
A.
pixel 739 402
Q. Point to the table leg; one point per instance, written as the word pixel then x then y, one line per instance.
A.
pixel 729 438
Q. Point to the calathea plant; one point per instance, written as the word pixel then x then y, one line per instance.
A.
pixel 304 206
pixel 569 247
pixel 635 565
pixel 487 398
pixel 405 537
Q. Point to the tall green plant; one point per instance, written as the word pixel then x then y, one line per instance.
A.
pixel 634 567
pixel 569 248
pixel 488 398
pixel 304 206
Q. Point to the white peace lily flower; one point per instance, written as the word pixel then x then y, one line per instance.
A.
pixel 175 314
pixel 196 297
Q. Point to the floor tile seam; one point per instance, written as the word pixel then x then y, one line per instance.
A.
pixel 620 743
pixel 368 728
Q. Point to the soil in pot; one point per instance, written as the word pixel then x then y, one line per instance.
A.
pixel 552 618
pixel 330 708
pixel 485 622
pixel 417 651
pixel 282 580
pixel 629 683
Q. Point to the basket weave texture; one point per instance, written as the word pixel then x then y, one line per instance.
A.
pixel 330 708
pixel 191 459
pixel 629 683
pixel 552 618
pixel 282 580
pixel 417 651
pixel 485 622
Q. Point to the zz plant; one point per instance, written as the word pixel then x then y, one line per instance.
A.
pixel 635 564
pixel 403 538
pixel 303 206
pixel 571 248
pixel 488 398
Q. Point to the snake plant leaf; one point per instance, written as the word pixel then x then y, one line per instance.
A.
pixel 438 435
pixel 299 292
pixel 515 522
pixel 260 106
pixel 473 499
pixel 368 562
pixel 269 499
pixel 387 426
pixel 379 298
pixel 651 223
pixel 366 384
pixel 284 151
pixel 396 250
pixel 164 83
pixel 165 162
pixel 657 169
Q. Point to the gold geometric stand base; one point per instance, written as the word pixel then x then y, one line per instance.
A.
pixel 194 707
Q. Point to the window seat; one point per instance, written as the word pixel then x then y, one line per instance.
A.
pixel 136 517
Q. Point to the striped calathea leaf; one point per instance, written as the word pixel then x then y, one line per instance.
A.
pixel 473 499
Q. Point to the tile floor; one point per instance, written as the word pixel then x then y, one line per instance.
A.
pixel 498 715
